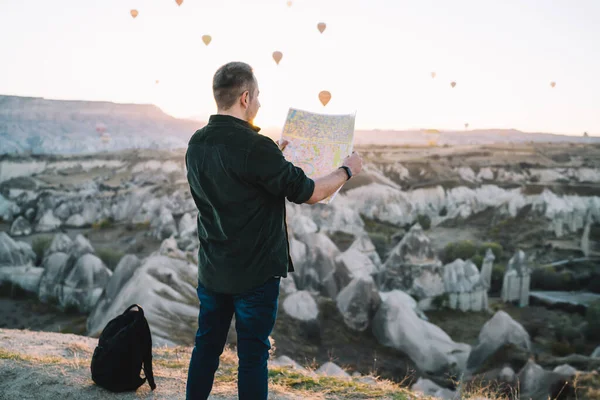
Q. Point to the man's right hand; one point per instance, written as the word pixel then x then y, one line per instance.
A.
pixel 354 162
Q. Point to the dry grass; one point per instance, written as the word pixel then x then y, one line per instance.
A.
pixel 172 362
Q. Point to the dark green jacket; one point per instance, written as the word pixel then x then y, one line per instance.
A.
pixel 239 180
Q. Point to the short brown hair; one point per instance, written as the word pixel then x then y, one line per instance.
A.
pixel 230 81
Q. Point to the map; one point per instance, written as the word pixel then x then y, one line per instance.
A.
pixel 318 143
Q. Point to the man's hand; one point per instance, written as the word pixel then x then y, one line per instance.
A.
pixel 282 143
pixel 354 162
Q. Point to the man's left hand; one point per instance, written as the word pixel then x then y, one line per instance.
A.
pixel 282 143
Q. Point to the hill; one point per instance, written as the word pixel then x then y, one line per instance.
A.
pixel 42 126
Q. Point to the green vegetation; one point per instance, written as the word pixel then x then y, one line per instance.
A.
pixel 467 250
pixel 104 223
pixel 424 221
pixel 39 246
pixel 548 278
pixel 342 240
pixel 592 317
pixel 139 226
pixel 110 257
pixel 330 385
pixel 380 234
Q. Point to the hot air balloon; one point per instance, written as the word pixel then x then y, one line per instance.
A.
pixel 324 96
pixel 277 56
pixel 452 84
pixel 156 81
pixel 321 26
pixel 206 39
pixel 289 3
pixel 178 2
pixel 552 84
pixel 100 128
pixel 433 75
pixel 134 13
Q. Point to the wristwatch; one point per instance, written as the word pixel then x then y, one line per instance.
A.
pixel 348 171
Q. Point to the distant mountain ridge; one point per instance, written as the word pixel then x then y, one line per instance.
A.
pixel 43 126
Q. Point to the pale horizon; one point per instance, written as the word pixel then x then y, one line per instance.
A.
pixel 375 58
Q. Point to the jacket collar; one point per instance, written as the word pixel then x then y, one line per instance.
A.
pixel 228 119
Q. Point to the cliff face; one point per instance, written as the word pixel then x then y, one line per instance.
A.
pixel 41 126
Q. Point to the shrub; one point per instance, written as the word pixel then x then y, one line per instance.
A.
pixel 547 278
pixel 464 249
pixel 110 257
pixel 477 260
pixel 103 223
pixel 562 349
pixel 424 221
pixel 497 249
pixel 592 316
pixel 342 240
pixel 39 246
pixel 498 271
pixel 594 285
pixel 381 243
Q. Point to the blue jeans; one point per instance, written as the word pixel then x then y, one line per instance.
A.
pixel 255 314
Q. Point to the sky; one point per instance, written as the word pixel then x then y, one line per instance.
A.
pixel 375 57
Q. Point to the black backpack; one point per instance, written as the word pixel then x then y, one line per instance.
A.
pixel 124 346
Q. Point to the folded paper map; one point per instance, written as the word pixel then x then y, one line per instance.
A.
pixel 318 143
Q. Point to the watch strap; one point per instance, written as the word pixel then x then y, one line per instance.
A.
pixel 348 171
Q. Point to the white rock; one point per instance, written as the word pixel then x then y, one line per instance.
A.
pixel 425 386
pixel 566 370
pixel 501 329
pixel 358 302
pixel 84 284
pixel 61 243
pixel 485 174
pixel 364 245
pixel 596 353
pixel 316 272
pixel 461 276
pixel 397 325
pixel 486 269
pixel 8 209
pixel 76 221
pixel 287 285
pixel 285 361
pixel 48 222
pixel 25 277
pixel 187 225
pixel 20 227
pixel 56 267
pixel 353 264
pixel 163 226
pixel 165 288
pixel 301 306
pixel 81 246
pixel 123 272
pixel 413 267
pixel 302 225
pixel 14 253
pixel 331 369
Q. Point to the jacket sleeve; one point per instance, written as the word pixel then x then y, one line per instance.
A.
pixel 267 168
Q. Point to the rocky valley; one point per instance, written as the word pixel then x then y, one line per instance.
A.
pixel 437 267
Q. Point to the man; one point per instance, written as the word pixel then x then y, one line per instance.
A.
pixel 239 180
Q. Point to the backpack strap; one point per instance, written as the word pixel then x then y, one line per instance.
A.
pixel 147 357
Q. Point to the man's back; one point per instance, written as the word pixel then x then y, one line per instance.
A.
pixel 239 181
